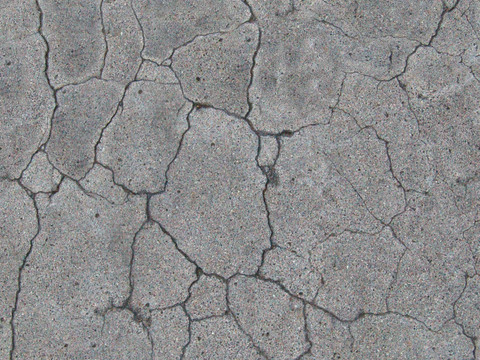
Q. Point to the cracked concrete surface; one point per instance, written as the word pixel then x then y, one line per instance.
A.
pixel 246 179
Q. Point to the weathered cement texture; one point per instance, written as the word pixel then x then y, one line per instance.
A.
pixel 220 338
pixel 208 298
pixel 79 121
pixel 213 204
pixel 243 179
pixel 144 137
pixel 73 30
pixel 26 102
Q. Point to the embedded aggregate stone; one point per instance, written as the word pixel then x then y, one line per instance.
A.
pixel 244 179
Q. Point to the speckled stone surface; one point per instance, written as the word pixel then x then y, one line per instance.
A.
pixel 243 179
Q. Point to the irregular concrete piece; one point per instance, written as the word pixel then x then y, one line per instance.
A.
pixel 73 29
pixel 18 225
pixel 426 289
pixel 99 182
pixel 431 274
pixel 445 96
pixel 357 271
pixel 213 203
pixel 394 337
pixel 153 72
pixel 295 79
pixel 169 24
pixel 327 179
pixel 124 41
pixel 26 102
pixel 343 273
pixel 161 276
pixel 169 332
pixel 215 69
pixel 18 19
pixel 268 151
pixel 330 338
pixel 123 338
pixel 467 308
pixel 303 59
pixel 79 266
pixel 78 123
pixel 40 175
pixel 208 298
pixel 269 315
pixel 144 137
pixel 219 338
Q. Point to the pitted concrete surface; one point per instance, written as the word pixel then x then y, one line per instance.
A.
pixel 243 179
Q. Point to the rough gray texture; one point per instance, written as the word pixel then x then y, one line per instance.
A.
pixel 26 102
pixel 161 276
pixel 213 203
pixel 170 24
pixel 220 338
pixel 268 315
pixel 243 179
pixel 143 138
pixel 73 30
pixel 78 123
pixel 40 175
pixel 218 80
pixel 208 298
pixel 18 225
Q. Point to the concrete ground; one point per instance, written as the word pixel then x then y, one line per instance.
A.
pixel 242 179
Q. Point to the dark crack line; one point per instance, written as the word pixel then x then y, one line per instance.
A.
pixel 19 278
pixel 260 351
pixel 104 32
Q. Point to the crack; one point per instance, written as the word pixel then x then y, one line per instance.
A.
pixel 104 32
pixel 180 144
pixel 260 351
pixel 52 88
pixel 306 333
pixel 392 284
pixel 445 11
pixel 189 330
pixel 472 338
pixel 252 69
pixel 270 175
pixel 20 274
